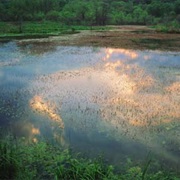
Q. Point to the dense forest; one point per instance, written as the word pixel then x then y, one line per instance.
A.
pixel 92 12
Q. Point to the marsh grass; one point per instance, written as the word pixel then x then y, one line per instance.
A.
pixel 41 29
pixel 154 43
pixel 19 160
pixel 22 160
pixel 172 27
pixel 8 164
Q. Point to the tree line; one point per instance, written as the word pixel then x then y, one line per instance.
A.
pixel 91 12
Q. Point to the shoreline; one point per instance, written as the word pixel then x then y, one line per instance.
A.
pixel 125 36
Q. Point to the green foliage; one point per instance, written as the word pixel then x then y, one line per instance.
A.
pixel 6 28
pixel 172 27
pixel 83 169
pixel 40 16
pixel 8 163
pixel 140 15
pixel 95 12
pixel 52 15
pixel 19 160
pixel 41 29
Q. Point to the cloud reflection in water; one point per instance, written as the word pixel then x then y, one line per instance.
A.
pixel 38 104
pixel 124 94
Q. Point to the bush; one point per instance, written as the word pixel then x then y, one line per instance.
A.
pixel 53 16
pixel 172 27
pixel 39 16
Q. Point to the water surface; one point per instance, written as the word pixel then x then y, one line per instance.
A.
pixel 122 103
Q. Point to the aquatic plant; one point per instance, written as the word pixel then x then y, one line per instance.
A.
pixel 19 160
pixel 8 163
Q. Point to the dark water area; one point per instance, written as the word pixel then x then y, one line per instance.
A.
pixel 121 103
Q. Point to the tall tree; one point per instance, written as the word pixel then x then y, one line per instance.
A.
pixel 18 10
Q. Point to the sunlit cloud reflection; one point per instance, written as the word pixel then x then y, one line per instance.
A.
pixel 129 53
pixel 137 97
pixel 38 104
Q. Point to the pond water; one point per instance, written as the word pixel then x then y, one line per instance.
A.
pixel 122 103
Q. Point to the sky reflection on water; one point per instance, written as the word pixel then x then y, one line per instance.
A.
pixel 117 101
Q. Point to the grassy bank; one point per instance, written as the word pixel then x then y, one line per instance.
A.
pixel 172 27
pixel 20 160
pixel 10 30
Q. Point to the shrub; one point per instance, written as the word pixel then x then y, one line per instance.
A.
pixel 39 16
pixel 53 16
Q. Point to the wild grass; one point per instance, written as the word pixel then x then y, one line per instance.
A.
pixel 32 30
pixel 41 29
pixel 172 27
pixel 20 160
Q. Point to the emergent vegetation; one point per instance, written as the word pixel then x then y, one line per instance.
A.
pixel 20 160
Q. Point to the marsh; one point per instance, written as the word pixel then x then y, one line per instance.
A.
pixel 119 102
